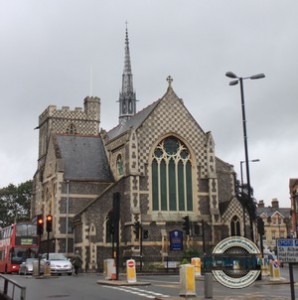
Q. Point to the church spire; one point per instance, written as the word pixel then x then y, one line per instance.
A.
pixel 127 97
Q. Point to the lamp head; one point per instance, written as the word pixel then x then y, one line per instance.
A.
pixel 231 75
pixel 257 76
pixel 234 82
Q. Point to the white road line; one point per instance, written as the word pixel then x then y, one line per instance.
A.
pixel 137 291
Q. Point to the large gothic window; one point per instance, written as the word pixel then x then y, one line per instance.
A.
pixel 171 176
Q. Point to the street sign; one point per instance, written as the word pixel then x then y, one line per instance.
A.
pixel 130 264
pixel 287 250
pixel 235 253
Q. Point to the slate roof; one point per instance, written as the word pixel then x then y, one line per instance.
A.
pixel 134 122
pixel 84 158
pixel 269 211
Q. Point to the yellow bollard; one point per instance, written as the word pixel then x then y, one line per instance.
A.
pixel 275 271
pixel 187 280
pixel 196 262
pixel 47 268
pixel 131 271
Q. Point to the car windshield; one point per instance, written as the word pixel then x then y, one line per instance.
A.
pixel 57 256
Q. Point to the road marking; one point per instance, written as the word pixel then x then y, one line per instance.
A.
pixel 137 291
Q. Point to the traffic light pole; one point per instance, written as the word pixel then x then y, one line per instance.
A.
pixel 141 247
pixel 116 217
pixel 48 245
pixel 39 255
pixel 203 237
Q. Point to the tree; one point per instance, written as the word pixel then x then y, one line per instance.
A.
pixel 15 203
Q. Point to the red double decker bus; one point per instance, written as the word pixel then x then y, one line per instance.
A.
pixel 17 242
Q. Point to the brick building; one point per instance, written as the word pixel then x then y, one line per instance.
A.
pixel 277 223
pixel 159 159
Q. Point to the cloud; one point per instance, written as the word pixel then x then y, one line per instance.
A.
pixel 48 48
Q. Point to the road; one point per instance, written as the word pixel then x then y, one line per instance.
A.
pixel 85 286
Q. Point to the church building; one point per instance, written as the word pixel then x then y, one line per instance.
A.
pixel 160 164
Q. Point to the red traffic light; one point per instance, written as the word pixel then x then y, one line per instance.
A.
pixel 49 225
pixel 39 223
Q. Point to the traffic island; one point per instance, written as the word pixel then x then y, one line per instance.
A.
pixel 122 283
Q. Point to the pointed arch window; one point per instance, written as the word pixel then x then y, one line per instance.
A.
pixel 71 129
pixel 119 163
pixel 235 226
pixel 171 170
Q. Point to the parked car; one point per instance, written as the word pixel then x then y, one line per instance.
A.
pixel 59 264
pixel 26 267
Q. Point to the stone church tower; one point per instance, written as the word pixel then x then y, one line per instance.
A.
pixel 161 163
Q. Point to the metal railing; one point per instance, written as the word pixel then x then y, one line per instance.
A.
pixel 9 289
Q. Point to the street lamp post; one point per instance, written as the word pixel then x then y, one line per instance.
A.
pixel 241 175
pixel 241 170
pixel 234 82
pixel 295 195
pixel 67 217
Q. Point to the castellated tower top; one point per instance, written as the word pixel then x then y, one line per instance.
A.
pixel 65 121
pixel 87 121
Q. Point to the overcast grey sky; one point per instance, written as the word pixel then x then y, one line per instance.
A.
pixel 48 46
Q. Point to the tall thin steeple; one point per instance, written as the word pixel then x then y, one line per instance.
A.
pixel 127 97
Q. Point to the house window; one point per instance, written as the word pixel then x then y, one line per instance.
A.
pixel 235 226
pixel 71 129
pixel 171 171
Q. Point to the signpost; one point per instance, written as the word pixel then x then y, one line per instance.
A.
pixel 176 240
pixel 287 252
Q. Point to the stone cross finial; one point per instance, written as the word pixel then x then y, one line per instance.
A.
pixel 169 80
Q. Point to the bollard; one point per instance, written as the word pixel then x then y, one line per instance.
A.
pixel 275 271
pixel 208 285
pixel 131 271
pixel 109 269
pixel 187 280
pixel 196 262
pixel 47 268
pixel 35 268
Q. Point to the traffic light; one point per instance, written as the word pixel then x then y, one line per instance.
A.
pixel 49 224
pixel 145 234
pixel 137 230
pixel 39 224
pixel 260 225
pixel 186 226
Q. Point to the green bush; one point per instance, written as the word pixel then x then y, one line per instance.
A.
pixel 189 254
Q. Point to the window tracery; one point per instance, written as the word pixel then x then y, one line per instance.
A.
pixel 171 170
